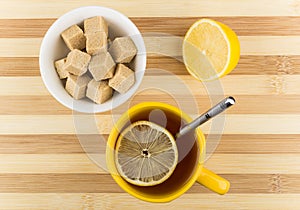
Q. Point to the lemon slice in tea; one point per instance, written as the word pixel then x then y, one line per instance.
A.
pixel 146 154
pixel 210 50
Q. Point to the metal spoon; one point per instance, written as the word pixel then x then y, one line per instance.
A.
pixel 215 110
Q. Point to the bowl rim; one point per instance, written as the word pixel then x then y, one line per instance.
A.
pixel 94 108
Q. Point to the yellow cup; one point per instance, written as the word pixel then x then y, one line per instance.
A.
pixel 186 173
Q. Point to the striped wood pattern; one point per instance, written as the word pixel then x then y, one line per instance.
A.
pixel 42 165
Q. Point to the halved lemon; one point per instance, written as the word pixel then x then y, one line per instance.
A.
pixel 146 154
pixel 210 50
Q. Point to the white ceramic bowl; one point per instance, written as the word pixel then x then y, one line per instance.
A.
pixel 53 48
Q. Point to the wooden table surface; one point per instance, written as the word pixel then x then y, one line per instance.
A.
pixel 42 165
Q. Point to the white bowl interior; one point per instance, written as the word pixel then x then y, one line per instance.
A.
pixel 54 48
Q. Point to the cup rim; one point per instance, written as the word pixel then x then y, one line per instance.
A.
pixel 111 144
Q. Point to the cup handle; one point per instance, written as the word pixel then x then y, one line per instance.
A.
pixel 213 182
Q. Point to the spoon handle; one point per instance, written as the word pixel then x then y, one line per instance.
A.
pixel 215 110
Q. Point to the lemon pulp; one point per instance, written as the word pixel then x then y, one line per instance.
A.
pixel 146 154
pixel 210 50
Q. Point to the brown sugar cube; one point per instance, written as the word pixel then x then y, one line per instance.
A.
pixel 102 66
pixel 76 85
pixel 123 79
pixel 59 65
pixel 94 24
pixel 74 38
pixel 95 42
pixel 77 62
pixel 99 92
pixel 122 50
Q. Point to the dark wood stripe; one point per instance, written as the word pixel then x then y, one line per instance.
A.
pixel 24 28
pixel 248 65
pixel 267 65
pixel 257 183
pixel 243 26
pixel 51 144
pixel 32 105
pixel 58 183
pixel 70 144
pixel 103 183
pixel 47 105
pixel 43 105
pixel 258 144
pixel 20 66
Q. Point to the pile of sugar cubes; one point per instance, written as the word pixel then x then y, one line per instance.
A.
pixel 94 68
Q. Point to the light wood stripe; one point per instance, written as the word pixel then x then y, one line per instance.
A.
pixel 103 183
pixel 69 144
pixel 243 26
pixel 256 124
pixel 33 9
pixel 247 85
pixel 50 124
pixel 248 65
pixel 254 163
pixel 123 201
pixel 49 163
pixel 22 86
pixel 20 47
pixel 47 105
pixel 250 45
pixel 269 45
pixel 64 124
pixel 245 104
pixel 80 163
